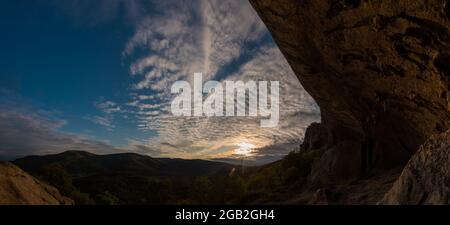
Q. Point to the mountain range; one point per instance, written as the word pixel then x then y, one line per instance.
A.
pixel 84 164
pixel 121 178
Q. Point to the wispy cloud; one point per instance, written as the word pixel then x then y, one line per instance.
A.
pixel 106 122
pixel 108 107
pixel 98 12
pixel 25 133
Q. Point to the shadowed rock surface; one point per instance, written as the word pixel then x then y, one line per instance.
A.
pixel 316 137
pixel 426 177
pixel 379 71
pixel 19 188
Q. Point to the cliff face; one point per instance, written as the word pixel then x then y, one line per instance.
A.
pixel 379 71
pixel 19 188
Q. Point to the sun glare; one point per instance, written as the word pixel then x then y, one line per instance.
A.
pixel 245 149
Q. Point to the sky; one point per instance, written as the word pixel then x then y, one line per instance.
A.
pixel 96 76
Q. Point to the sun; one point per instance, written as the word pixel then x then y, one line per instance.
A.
pixel 245 149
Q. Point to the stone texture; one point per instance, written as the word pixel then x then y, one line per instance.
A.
pixel 357 192
pixel 336 164
pixel 426 177
pixel 19 188
pixel 316 137
pixel 379 70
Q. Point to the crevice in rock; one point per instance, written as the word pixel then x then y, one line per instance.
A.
pixel 446 9
pixel 337 6
pixel 442 63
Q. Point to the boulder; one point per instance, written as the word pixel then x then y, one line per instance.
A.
pixel 426 177
pixel 19 188
pixel 316 137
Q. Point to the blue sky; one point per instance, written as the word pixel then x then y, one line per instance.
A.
pixel 96 76
pixel 58 64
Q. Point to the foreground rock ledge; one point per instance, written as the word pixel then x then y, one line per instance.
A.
pixel 19 188
pixel 426 178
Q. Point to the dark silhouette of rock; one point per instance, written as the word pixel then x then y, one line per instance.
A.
pixel 379 71
pixel 426 177
pixel 336 164
pixel 316 137
pixel 19 188
pixel 319 198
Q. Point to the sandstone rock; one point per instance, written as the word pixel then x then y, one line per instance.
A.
pixel 19 188
pixel 378 69
pixel 426 177
pixel 319 198
pixel 367 191
pixel 337 164
pixel 316 137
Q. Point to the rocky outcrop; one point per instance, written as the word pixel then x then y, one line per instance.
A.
pixel 19 188
pixel 316 137
pixel 336 165
pixel 378 69
pixel 358 192
pixel 426 177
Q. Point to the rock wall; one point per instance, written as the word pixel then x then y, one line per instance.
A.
pixel 379 70
pixel 19 188
pixel 316 137
pixel 426 177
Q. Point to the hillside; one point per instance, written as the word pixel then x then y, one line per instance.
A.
pixel 83 164
pixel 122 178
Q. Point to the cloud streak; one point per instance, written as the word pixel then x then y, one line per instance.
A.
pixel 105 122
